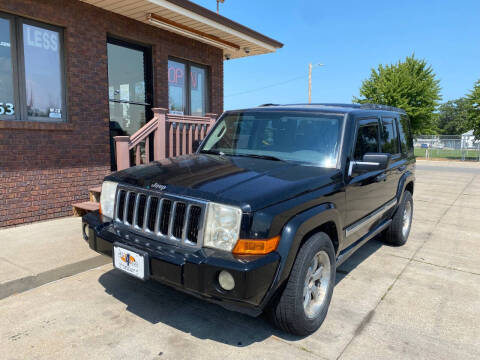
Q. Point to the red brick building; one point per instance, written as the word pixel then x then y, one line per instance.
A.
pixel 74 74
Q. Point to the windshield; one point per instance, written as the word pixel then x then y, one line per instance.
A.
pixel 303 137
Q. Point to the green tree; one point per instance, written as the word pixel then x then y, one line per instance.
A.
pixel 474 112
pixel 453 117
pixel 411 85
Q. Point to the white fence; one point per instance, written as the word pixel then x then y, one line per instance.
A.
pixel 459 147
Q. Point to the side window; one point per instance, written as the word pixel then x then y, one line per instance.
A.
pixel 389 136
pixel 405 136
pixel 367 139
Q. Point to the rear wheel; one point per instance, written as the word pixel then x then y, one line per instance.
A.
pixel 303 304
pixel 397 233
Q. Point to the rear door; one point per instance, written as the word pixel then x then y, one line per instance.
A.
pixel 390 144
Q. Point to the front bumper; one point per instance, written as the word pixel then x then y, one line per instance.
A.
pixel 193 271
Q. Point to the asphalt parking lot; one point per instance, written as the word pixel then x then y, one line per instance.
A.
pixel 419 301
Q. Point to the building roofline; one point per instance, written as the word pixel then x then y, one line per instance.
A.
pixel 200 10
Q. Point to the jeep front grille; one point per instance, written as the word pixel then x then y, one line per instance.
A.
pixel 163 217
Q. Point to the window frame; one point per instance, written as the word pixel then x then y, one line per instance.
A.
pixel 18 67
pixel 365 122
pixel 15 72
pixel 394 123
pixel 206 86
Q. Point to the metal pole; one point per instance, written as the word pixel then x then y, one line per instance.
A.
pixel 310 83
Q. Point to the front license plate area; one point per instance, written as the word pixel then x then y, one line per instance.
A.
pixel 130 260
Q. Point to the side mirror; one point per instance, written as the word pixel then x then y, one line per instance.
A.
pixel 370 162
pixel 196 145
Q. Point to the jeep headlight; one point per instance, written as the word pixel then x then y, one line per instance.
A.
pixel 107 198
pixel 222 227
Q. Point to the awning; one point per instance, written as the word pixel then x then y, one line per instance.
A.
pixel 193 21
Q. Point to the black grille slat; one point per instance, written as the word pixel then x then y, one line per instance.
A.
pixel 153 213
pixel 121 204
pixel 194 223
pixel 131 207
pixel 142 201
pixel 179 220
pixel 165 218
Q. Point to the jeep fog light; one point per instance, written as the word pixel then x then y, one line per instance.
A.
pixel 226 281
pixel 107 198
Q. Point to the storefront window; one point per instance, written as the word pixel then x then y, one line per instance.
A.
pixel 43 74
pixel 176 87
pixel 187 84
pixel 31 71
pixel 197 91
pixel 7 96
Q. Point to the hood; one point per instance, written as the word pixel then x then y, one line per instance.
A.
pixel 251 183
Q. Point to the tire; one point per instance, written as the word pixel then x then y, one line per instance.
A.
pixel 287 310
pixel 397 234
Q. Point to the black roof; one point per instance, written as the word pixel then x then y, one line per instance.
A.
pixel 331 107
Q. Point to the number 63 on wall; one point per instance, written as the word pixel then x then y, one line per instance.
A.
pixel 7 109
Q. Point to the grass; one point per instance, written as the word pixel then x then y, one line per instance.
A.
pixel 447 154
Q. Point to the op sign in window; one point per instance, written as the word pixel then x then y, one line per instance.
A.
pixel 186 88
pixel 31 70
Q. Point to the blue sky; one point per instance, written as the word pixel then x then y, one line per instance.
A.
pixel 349 37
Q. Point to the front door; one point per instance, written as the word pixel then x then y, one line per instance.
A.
pixel 129 89
pixel 366 192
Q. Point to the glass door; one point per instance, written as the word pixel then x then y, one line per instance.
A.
pixel 129 89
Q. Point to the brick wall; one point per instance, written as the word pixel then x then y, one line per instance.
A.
pixel 45 167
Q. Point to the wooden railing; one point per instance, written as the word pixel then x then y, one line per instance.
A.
pixel 172 135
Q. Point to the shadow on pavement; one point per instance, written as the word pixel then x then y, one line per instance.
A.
pixel 157 303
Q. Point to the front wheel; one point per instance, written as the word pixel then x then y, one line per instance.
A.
pixel 303 304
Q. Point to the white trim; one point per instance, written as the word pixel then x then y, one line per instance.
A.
pixel 187 33
pixel 194 16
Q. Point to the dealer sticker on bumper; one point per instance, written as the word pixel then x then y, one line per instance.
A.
pixel 129 261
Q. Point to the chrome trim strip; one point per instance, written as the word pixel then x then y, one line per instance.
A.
pixel 185 223
pixel 346 253
pixel 135 212
pixel 369 219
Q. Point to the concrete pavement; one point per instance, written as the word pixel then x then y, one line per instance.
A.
pixel 416 301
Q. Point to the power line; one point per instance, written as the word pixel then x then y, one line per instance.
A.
pixel 268 86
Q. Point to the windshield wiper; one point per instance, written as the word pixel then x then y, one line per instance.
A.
pixel 212 152
pixel 256 156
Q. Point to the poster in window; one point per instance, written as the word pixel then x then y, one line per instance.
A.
pixel 43 72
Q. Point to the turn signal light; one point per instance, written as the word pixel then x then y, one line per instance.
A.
pixel 256 246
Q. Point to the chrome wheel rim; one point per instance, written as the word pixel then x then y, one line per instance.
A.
pixel 316 285
pixel 407 217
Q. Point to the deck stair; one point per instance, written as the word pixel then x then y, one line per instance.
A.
pixel 80 209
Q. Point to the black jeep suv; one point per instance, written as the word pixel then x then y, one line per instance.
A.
pixel 274 199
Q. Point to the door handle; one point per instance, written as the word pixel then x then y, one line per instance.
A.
pixel 381 177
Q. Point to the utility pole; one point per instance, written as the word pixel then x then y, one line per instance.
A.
pixel 310 67
pixel 218 5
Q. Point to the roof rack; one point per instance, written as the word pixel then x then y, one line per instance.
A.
pixel 358 106
pixel 268 104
